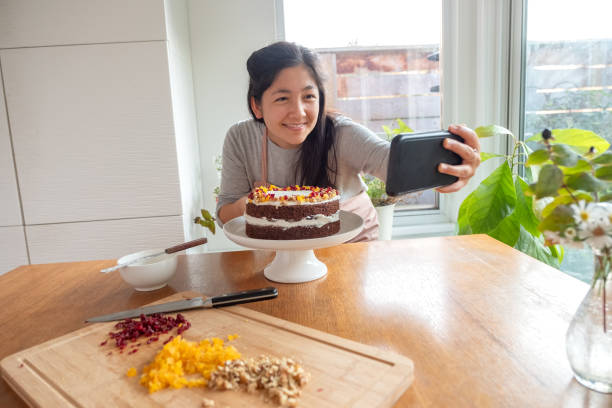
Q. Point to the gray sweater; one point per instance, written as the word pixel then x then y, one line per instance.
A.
pixel 358 150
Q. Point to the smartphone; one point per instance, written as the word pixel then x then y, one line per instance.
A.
pixel 414 160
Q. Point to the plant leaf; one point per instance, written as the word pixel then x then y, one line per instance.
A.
pixel 403 127
pixel 559 218
pixel 492 201
pixel 604 173
pixel 585 181
pixel 463 219
pixel 605 159
pixel 206 215
pixel 208 224
pixel 491 130
pixel 507 231
pixel 606 197
pixel 486 156
pixel 557 251
pixel 538 157
pixel 534 247
pixel 564 199
pixel 549 182
pixel 524 208
pixel 579 138
pixel 563 155
pixel 581 165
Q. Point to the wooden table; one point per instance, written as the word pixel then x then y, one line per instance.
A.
pixel 484 324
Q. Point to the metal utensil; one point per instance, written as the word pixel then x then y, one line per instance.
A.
pixel 227 299
pixel 170 250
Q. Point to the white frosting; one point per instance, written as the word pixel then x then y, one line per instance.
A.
pixel 318 221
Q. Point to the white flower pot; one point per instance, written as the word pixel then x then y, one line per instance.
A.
pixel 385 221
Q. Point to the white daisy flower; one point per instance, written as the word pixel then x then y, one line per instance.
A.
pixel 606 214
pixel 570 239
pixel 584 213
pixel 596 236
pixel 569 233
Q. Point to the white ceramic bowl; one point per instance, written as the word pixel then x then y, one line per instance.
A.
pixel 153 273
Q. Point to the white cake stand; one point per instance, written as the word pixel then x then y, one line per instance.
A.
pixel 295 260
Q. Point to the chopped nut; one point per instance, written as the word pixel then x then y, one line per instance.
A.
pixel 280 379
pixel 208 403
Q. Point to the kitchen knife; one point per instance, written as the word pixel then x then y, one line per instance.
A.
pixel 170 250
pixel 227 299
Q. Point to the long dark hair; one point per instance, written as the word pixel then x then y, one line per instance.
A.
pixel 317 163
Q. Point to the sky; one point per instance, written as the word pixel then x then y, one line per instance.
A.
pixel 340 23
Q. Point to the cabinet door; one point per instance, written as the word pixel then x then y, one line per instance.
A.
pixel 10 211
pixel 34 23
pixel 82 241
pixel 92 131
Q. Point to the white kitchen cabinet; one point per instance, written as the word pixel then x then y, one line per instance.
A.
pixel 35 23
pixel 99 101
pixel 106 239
pixel 92 131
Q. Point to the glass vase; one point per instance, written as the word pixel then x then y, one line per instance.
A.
pixel 589 337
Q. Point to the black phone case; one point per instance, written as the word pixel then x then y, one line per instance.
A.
pixel 414 159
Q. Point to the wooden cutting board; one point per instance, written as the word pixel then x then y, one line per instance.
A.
pixel 75 371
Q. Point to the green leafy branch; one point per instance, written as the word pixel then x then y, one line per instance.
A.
pixel 206 221
pixel 570 165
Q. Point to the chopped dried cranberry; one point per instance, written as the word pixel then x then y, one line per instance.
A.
pixel 131 330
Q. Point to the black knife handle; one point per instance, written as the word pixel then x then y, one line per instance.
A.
pixel 246 296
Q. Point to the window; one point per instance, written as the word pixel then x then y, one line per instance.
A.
pixel 381 63
pixel 568 79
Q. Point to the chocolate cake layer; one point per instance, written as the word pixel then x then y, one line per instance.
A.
pixel 277 233
pixel 292 212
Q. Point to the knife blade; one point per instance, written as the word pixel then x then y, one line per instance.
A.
pixel 227 299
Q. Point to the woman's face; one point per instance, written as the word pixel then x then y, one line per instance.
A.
pixel 289 107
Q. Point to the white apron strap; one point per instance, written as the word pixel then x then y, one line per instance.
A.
pixel 263 181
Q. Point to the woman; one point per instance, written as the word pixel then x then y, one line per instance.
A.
pixel 293 140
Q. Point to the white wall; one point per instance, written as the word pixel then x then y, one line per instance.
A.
pixel 88 145
pixel 223 35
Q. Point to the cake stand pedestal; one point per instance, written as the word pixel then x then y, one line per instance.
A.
pixel 295 260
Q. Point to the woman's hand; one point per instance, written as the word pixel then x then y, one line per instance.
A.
pixel 469 152
pixel 230 211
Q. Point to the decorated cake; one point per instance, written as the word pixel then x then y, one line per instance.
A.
pixel 295 212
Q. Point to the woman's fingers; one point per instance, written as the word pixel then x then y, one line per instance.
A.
pixel 451 188
pixel 461 170
pixel 466 152
pixel 469 151
pixel 469 136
